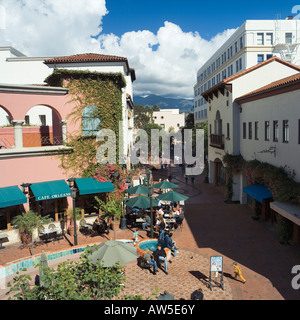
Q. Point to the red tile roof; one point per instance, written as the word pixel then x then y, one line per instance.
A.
pixel 85 57
pixel 272 86
pixel 91 57
pixel 228 80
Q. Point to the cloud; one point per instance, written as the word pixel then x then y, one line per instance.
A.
pixel 166 62
pixel 52 27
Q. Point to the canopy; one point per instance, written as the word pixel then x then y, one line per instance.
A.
pixel 141 202
pixel 110 252
pixel 258 191
pixel 91 186
pixel 50 190
pixel 172 196
pixel 140 189
pixel 165 185
pixel 11 196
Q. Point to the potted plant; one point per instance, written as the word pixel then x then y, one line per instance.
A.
pixel 27 222
pixel 112 210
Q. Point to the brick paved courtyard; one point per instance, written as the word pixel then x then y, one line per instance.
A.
pixel 211 228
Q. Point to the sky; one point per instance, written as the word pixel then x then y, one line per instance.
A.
pixel 165 41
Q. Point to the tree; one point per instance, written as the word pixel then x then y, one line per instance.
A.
pixel 79 280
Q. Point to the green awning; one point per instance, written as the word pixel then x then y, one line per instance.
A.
pixel 11 196
pixel 50 190
pixel 91 186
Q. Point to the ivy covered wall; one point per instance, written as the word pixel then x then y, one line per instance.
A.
pixel 86 88
pixel 278 179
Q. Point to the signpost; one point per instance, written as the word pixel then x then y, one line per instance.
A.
pixel 216 266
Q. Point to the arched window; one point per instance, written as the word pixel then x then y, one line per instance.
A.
pixel 90 124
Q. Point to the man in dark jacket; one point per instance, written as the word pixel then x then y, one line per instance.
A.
pixel 160 255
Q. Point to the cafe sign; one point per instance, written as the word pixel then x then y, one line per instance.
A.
pixel 53 196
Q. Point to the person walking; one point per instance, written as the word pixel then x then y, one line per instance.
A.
pixel 238 272
pixel 186 179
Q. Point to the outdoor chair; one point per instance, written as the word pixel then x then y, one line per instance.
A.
pixel 84 228
pixel 42 237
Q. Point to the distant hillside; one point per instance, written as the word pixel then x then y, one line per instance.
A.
pixel 184 105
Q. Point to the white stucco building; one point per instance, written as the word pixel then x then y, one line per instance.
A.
pixel 18 69
pixel 226 117
pixel 253 42
pixel 169 118
pixel 255 114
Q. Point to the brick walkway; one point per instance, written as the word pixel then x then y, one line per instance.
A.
pixel 211 228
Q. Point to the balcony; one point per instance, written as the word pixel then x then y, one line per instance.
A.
pixel 217 141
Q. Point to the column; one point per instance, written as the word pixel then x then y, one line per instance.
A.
pixel 18 133
pixel 64 130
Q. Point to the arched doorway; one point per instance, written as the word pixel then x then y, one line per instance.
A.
pixel 219 173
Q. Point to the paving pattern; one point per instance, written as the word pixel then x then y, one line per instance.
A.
pixel 211 228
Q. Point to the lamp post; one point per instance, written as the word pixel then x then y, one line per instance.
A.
pixel 150 187
pixel 73 195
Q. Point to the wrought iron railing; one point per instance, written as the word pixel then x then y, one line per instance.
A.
pixel 217 141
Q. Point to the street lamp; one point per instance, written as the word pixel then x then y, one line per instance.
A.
pixel 150 187
pixel 73 195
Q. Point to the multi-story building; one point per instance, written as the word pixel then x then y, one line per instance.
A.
pixel 255 114
pixel 253 42
pixel 169 118
pixel 37 123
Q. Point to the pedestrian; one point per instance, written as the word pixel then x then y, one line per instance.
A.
pixel 135 236
pixel 193 179
pixel 150 260
pixel 186 179
pixel 238 272
pixel 160 255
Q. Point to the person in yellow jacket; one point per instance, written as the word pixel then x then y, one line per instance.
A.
pixel 238 272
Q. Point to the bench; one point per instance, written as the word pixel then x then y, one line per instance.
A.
pixel 3 239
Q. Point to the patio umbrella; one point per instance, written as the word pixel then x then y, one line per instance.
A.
pixel 165 185
pixel 165 296
pixel 172 196
pixel 112 251
pixel 43 264
pixel 141 202
pixel 140 189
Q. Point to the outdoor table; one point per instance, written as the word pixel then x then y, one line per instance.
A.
pixel 170 223
pixel 139 221
pixel 3 238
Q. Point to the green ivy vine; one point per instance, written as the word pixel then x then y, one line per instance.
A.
pixel 278 179
pixel 86 88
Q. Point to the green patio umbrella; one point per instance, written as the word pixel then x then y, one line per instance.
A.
pixel 140 189
pixel 172 196
pixel 43 264
pixel 110 252
pixel 141 202
pixel 165 296
pixel 165 185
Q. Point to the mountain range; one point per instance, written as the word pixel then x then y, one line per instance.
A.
pixel 184 105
